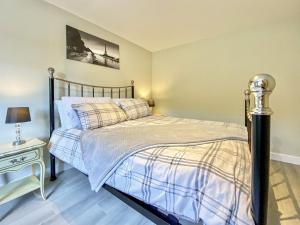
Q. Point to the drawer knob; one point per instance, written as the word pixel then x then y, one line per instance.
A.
pixel 16 161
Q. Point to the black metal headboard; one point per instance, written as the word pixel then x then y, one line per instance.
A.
pixel 85 90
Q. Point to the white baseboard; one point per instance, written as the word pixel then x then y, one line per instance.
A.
pixel 285 158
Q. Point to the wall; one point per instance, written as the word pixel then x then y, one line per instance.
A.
pixel 32 38
pixel 206 79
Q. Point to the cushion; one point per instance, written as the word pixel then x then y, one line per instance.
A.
pixel 70 118
pixel 96 115
pixel 134 108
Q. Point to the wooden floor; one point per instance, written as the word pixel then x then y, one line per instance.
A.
pixel 284 194
pixel 70 201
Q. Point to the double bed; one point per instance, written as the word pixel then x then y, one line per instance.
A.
pixel 172 168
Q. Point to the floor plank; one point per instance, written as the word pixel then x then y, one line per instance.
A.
pixel 71 202
pixel 284 194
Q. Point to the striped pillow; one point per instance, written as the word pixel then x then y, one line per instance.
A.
pixel 96 115
pixel 135 108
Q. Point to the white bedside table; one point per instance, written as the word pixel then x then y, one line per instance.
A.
pixel 13 158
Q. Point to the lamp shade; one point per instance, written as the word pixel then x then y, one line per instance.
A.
pixel 17 115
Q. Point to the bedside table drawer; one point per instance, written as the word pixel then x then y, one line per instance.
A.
pixel 19 159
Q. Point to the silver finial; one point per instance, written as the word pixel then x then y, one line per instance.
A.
pixel 247 94
pixel 261 86
pixel 51 71
pixel 132 82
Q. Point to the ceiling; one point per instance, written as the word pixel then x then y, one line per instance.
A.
pixel 160 24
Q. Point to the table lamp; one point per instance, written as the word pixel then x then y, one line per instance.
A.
pixel 18 115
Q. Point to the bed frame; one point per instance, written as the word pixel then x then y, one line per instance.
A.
pixel 257 121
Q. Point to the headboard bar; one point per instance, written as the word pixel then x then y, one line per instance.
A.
pixel 89 85
pixel 132 89
pixel 69 89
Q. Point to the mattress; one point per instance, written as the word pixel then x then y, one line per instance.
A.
pixel 177 179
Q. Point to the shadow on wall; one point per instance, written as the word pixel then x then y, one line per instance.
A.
pixel 283 192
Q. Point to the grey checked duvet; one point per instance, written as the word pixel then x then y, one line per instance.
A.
pixel 208 182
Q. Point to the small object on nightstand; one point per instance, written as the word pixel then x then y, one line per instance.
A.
pixel 18 115
pixel 13 158
pixel 151 103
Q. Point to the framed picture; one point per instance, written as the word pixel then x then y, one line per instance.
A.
pixel 88 48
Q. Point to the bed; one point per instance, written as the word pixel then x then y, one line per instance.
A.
pixel 204 180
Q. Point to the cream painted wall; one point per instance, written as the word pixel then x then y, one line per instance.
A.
pixel 206 79
pixel 32 38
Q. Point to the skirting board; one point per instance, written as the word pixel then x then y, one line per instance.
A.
pixel 285 158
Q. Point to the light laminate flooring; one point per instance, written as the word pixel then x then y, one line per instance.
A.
pixel 71 202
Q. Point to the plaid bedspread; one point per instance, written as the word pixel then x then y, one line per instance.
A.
pixel 205 182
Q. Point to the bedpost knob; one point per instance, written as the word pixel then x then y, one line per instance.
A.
pixel 132 82
pixel 261 86
pixel 51 71
pixel 247 94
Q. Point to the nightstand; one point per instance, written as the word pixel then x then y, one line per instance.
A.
pixel 13 158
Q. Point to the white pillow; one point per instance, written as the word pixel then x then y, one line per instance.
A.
pixel 118 101
pixel 61 112
pixel 70 117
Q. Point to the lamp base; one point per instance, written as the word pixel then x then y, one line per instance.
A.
pixel 20 142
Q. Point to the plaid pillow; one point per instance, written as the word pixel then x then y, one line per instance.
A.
pixel 95 115
pixel 135 108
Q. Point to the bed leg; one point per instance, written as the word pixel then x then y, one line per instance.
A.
pixel 52 168
pixel 261 86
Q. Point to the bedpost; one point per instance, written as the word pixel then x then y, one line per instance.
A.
pixel 247 114
pixel 247 106
pixel 132 89
pixel 261 86
pixel 51 115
